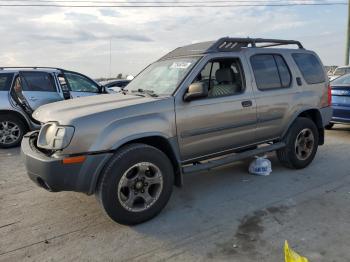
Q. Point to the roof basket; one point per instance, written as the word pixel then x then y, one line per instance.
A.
pixel 233 44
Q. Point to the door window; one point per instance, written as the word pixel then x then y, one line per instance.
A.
pixel 310 68
pixel 78 83
pixel 5 81
pixel 222 77
pixel 270 71
pixel 38 81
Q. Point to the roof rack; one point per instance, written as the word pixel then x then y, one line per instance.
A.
pixel 232 44
pixel 228 44
pixel 30 67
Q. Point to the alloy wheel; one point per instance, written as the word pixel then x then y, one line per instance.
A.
pixel 140 187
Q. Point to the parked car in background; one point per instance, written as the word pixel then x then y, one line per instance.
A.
pixel 341 70
pixel 198 107
pixel 340 100
pixel 116 86
pixel 23 90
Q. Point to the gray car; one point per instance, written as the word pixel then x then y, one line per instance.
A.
pixel 23 90
pixel 199 107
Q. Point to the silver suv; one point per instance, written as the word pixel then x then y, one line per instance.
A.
pixel 198 107
pixel 22 90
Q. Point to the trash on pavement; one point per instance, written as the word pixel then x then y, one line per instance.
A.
pixel 291 256
pixel 261 166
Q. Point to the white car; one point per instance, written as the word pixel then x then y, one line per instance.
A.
pixel 341 70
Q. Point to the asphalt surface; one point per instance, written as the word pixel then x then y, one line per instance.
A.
pixel 223 215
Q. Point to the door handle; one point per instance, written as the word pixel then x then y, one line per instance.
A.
pixel 247 103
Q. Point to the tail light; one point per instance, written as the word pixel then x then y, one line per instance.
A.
pixel 329 95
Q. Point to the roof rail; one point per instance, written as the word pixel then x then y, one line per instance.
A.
pixel 232 44
pixel 30 67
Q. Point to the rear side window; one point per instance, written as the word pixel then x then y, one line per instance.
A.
pixel 38 81
pixel 310 67
pixel 270 71
pixel 5 81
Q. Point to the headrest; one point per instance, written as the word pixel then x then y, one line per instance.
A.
pixel 224 75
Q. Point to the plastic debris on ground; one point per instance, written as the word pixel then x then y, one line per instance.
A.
pixel 291 256
pixel 261 166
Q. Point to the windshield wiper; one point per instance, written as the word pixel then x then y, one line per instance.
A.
pixel 145 91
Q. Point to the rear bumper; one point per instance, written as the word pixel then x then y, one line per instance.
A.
pixel 341 114
pixel 51 174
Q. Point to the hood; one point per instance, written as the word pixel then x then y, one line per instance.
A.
pixel 66 111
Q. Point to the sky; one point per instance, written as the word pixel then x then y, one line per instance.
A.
pixel 80 39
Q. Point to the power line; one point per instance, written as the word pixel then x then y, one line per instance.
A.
pixel 182 5
pixel 177 2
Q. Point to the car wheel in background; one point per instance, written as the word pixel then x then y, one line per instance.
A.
pixel 136 184
pixel 301 144
pixel 329 126
pixel 12 130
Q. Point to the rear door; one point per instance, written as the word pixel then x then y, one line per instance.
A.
pixel 80 85
pixel 34 88
pixel 275 92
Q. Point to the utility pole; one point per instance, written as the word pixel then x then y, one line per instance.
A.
pixel 110 57
pixel 348 38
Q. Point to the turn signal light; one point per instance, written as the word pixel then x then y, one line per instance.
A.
pixel 74 160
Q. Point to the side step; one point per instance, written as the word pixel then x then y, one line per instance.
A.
pixel 231 158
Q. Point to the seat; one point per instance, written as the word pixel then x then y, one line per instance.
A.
pixel 227 84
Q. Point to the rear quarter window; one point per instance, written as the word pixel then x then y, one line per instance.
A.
pixel 5 81
pixel 310 68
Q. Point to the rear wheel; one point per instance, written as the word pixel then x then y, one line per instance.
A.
pixel 301 144
pixel 136 184
pixel 12 130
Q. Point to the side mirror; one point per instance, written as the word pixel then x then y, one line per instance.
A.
pixel 196 90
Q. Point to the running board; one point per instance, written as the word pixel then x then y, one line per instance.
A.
pixel 231 158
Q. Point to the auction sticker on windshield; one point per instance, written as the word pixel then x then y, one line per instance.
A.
pixel 180 65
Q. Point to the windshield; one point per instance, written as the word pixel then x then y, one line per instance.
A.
pixel 341 71
pixel 342 80
pixel 162 77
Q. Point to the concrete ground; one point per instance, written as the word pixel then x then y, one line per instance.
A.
pixel 223 215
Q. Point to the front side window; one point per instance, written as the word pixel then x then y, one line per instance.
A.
pixel 270 71
pixel 310 68
pixel 78 83
pixel 38 81
pixel 5 81
pixel 162 77
pixel 222 77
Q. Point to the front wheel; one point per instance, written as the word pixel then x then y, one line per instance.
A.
pixel 301 144
pixel 136 184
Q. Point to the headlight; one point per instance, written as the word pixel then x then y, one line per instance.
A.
pixel 55 137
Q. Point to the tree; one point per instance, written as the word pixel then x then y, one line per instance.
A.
pixel 120 76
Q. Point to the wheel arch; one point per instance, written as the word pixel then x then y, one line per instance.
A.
pixel 167 145
pixel 18 115
pixel 313 114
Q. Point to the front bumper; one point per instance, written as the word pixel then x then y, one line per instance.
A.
pixel 51 174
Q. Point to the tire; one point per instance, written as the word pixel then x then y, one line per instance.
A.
pixel 297 157
pixel 12 130
pixel 123 190
pixel 329 126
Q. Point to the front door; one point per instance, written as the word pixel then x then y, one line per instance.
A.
pixel 223 120
pixel 80 85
